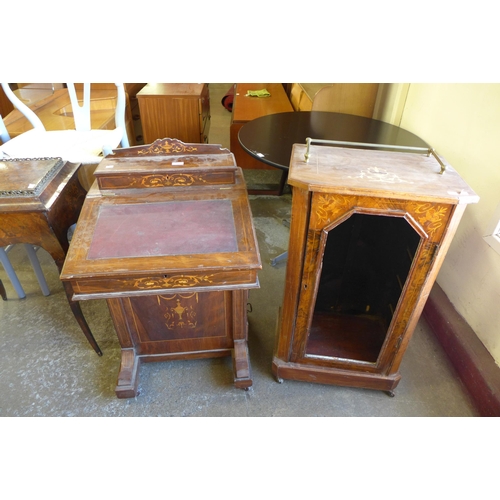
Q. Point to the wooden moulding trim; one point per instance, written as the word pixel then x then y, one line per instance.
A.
pixel 472 361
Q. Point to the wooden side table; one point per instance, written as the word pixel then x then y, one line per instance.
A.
pixel 246 109
pixel 183 256
pixel 175 110
pixel 369 232
pixel 39 200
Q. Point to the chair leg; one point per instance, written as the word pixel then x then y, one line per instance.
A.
pixel 4 259
pixel 3 293
pixel 37 268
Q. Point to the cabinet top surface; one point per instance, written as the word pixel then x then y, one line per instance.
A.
pixel 377 173
pixel 248 108
pixel 32 181
pixel 172 89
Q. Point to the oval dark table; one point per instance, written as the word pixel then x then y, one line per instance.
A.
pixel 270 138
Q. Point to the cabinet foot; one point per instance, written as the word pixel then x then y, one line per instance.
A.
pixel 390 393
pixel 241 365
pixel 128 377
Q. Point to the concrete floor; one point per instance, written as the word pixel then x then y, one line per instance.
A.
pixel 47 368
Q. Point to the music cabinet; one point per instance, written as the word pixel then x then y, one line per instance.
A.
pixel 369 232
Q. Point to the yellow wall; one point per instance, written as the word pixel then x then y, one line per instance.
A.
pixel 462 123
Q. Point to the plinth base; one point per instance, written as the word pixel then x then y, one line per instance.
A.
pixel 334 376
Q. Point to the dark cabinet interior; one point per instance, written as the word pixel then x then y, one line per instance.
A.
pixel 365 263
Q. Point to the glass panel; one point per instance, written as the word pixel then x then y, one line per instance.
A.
pixel 365 265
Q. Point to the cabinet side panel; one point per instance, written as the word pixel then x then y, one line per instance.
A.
pixel 301 206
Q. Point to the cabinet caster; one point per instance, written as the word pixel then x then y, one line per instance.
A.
pixel 390 393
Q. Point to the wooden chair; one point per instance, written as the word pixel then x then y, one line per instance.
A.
pixel 351 98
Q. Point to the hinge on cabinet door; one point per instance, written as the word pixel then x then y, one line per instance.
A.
pixel 398 343
pixel 434 252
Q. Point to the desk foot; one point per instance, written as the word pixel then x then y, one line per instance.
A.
pixel 241 365
pixel 78 314
pixel 128 379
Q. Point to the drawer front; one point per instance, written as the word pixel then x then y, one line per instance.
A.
pixel 217 280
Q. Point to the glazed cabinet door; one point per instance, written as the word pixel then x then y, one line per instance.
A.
pixel 365 264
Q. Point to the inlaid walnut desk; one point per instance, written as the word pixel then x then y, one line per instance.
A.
pixel 39 200
pixel 166 237
pixel 369 232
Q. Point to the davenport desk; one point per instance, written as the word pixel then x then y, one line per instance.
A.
pixel 166 237
pixel 39 200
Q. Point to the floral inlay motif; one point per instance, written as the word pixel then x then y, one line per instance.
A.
pixel 377 174
pixel 179 313
pixel 167 147
pixel 170 180
pixel 430 216
pixel 329 206
pixel 173 282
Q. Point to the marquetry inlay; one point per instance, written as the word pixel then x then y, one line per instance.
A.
pixel 179 311
pixel 173 282
pixel 162 146
pixel 331 207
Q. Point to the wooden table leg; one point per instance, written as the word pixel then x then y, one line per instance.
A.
pixel 78 314
pixel 284 178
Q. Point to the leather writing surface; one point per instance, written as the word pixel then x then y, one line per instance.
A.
pixel 165 228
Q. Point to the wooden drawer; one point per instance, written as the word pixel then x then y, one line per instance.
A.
pixel 144 285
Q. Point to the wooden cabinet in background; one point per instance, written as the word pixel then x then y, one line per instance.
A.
pixel 369 232
pixel 175 110
pixel 246 109
pixel 351 98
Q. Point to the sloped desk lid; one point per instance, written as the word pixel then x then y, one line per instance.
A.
pixel 165 228
pixel 384 174
pixel 193 230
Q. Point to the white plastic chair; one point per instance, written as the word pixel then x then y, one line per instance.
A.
pixel 82 145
